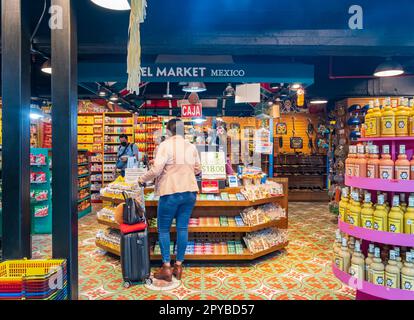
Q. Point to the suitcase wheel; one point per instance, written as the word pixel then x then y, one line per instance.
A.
pixel 127 284
pixel 148 281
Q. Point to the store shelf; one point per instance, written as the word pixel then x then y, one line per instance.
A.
pixel 396 239
pixel 281 223
pixel 84 175
pixel 83 199
pixel 209 203
pixel 119 124
pixel 397 139
pixel 38 182
pixel 85 187
pixel 85 212
pixel 372 289
pixel 380 184
pixel 38 165
pixel 83 164
pixel 117 134
pixel 246 255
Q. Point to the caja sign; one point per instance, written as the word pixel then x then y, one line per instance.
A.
pixel 194 110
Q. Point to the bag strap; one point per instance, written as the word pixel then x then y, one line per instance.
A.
pixel 123 152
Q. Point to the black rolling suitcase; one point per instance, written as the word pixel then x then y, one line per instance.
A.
pixel 135 258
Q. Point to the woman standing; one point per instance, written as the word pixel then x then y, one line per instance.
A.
pixel 175 166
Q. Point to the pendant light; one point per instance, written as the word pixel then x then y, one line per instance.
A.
pixel 389 68
pixel 229 91
pixel 195 87
pixel 113 4
pixel 114 98
pixel 47 67
pixel 296 86
pixel 102 92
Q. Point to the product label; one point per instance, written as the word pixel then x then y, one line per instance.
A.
pixel 371 171
pixel 357 271
pixel 379 223
pixel 402 126
pixel 353 219
pixel 409 226
pixel 356 170
pixel 367 222
pixel 388 126
pixel 350 170
pixel 376 126
pixel 402 172
pixel 339 262
pixel 378 277
pixel 407 282
pixel 394 225
pixel 391 280
pixel 342 213
pixel 369 124
pixel 386 172
pixel 412 172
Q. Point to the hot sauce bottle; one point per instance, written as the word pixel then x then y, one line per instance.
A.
pixel 395 217
pixel 402 165
pixel 386 165
pixel 401 119
pixel 349 162
pixel 373 163
pixel 388 120
pixel 360 164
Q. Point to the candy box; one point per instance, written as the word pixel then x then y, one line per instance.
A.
pixel 41 211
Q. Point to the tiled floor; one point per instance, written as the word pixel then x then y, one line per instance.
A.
pixel 302 271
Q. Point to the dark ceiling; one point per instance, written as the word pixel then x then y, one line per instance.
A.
pixel 308 31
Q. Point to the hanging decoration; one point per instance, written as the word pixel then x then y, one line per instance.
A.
pixel 138 14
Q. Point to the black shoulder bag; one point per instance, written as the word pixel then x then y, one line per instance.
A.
pixel 133 212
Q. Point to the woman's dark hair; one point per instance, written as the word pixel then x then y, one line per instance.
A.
pixel 123 136
pixel 176 127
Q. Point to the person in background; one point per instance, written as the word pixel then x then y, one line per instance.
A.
pixel 175 167
pixel 125 150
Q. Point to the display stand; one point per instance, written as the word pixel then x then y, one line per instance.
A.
pixel 366 290
pixel 214 208
pixel 84 184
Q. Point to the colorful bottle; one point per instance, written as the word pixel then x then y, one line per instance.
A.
pixel 357 268
pixel 377 269
pixel 398 257
pixel 367 212
pixel 360 164
pixel 376 120
pixel 401 119
pixel 343 204
pixel 386 165
pixel 411 131
pixel 354 212
pixel 380 215
pixel 337 244
pixel 407 273
pixel 368 120
pixel 351 244
pixel 409 217
pixel 344 257
pixel 388 120
pixel 368 261
pixel 402 165
pixel 395 217
pixel 386 203
pixel 373 163
pixel 403 204
pixel 349 162
pixel 392 272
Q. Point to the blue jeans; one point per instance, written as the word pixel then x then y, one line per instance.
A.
pixel 178 206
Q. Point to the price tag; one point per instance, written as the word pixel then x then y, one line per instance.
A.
pixel 213 165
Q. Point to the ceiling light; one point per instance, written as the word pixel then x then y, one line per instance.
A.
pixel 389 68
pixel 102 92
pixel 319 101
pixel 114 97
pixel 229 91
pixel 47 67
pixel 195 87
pixel 113 4
pixel 296 86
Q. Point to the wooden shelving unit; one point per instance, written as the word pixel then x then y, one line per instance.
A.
pixel 84 204
pixel 214 233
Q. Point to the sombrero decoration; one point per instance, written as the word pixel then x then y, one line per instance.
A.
pixel 138 14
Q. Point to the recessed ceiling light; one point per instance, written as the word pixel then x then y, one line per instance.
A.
pixel 389 68
pixel 113 4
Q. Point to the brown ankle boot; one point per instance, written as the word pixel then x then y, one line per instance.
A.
pixel 164 273
pixel 178 271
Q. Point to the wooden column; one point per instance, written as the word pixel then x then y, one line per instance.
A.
pixel 15 49
pixel 64 146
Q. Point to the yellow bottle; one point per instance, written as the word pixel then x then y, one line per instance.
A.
pixel 386 203
pixel 392 272
pixel 357 268
pixel 368 261
pixel 368 120
pixel 351 244
pixel 377 269
pixel 380 215
pixel 409 217
pixel 388 120
pixel 398 257
pixel 343 204
pixel 403 204
pixel 401 119
pixel 354 214
pixel 367 212
pixel 407 273
pixel 343 261
pixel 395 217
pixel 337 244
pixel 375 120
pixel 411 118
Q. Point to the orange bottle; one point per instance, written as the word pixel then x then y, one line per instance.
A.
pixel 349 162
pixel 373 163
pixel 386 165
pixel 402 165
pixel 360 164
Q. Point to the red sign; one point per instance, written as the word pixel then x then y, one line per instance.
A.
pixel 210 186
pixel 192 110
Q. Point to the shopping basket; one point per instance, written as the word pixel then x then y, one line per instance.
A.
pixel 32 279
